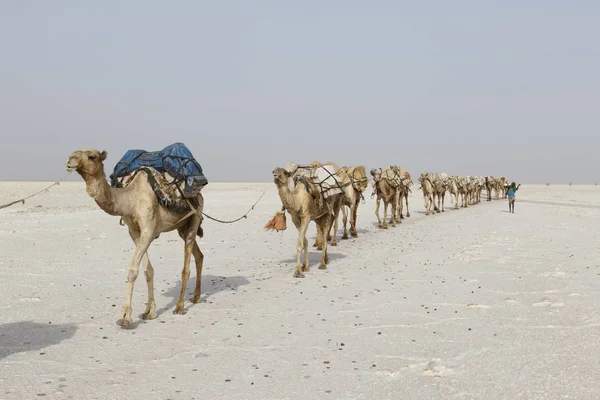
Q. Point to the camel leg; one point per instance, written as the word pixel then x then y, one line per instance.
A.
pixel 345 221
pixel 399 207
pixel 377 212
pixel 334 222
pixel 199 260
pixel 385 206
pixel 394 208
pixel 426 204
pixel 353 215
pixel 298 224
pixel 141 247
pixel 305 266
pixel 443 202
pixel 150 312
pixel 406 199
pixel 302 244
pixel 317 242
pixel 190 241
pixel 324 257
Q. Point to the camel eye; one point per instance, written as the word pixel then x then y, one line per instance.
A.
pixel 92 158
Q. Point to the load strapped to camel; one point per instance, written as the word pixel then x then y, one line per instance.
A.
pixel 324 177
pixel 395 175
pixel 174 174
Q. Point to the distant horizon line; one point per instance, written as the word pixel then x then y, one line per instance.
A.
pixel 266 181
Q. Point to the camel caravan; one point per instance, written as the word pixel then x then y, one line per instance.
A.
pixel 160 191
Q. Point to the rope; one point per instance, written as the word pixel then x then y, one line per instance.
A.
pixel 36 193
pixel 235 220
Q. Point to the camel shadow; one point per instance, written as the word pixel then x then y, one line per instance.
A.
pixel 341 232
pixel 314 257
pixel 433 212
pixel 376 227
pixel 211 285
pixel 24 336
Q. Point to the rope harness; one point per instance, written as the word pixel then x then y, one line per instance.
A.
pixel 36 193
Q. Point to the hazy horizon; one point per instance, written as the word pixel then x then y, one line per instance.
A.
pixel 466 88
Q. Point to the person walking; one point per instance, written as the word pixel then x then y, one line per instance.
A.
pixel 512 189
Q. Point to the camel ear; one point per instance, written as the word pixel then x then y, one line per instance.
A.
pixel 103 155
pixel 287 173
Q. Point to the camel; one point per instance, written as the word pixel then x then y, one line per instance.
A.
pixel 387 192
pixel 489 185
pixel 439 192
pixel 504 184
pixel 305 203
pixel 405 190
pixel 463 190
pixel 139 208
pixel 337 207
pixel 499 187
pixel 477 188
pixel 428 189
pixel 453 190
pixel 354 183
pixel 470 186
pixel 480 186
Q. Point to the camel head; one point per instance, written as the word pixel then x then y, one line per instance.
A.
pixel 281 177
pixel 376 173
pixel 87 162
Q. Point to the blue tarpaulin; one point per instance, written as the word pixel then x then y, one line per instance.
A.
pixel 176 160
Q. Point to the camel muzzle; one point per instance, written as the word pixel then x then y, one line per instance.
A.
pixel 72 165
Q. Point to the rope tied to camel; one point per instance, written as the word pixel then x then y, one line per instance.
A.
pixel 237 219
pixel 36 193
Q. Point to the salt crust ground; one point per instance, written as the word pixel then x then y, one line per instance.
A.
pixel 471 304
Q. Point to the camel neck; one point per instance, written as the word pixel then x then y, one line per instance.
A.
pixel 287 197
pixel 98 188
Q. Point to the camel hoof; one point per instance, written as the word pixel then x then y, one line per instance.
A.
pixel 179 310
pixel 384 227
pixel 443 210
pixel 354 234
pixel 298 274
pixel 322 266
pixel 393 225
pixel 344 237
pixel 125 322
pixel 333 244
pixel 195 299
pixel 305 268
pixel 407 215
pixel 148 315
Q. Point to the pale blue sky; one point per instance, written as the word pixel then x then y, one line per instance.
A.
pixel 464 87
